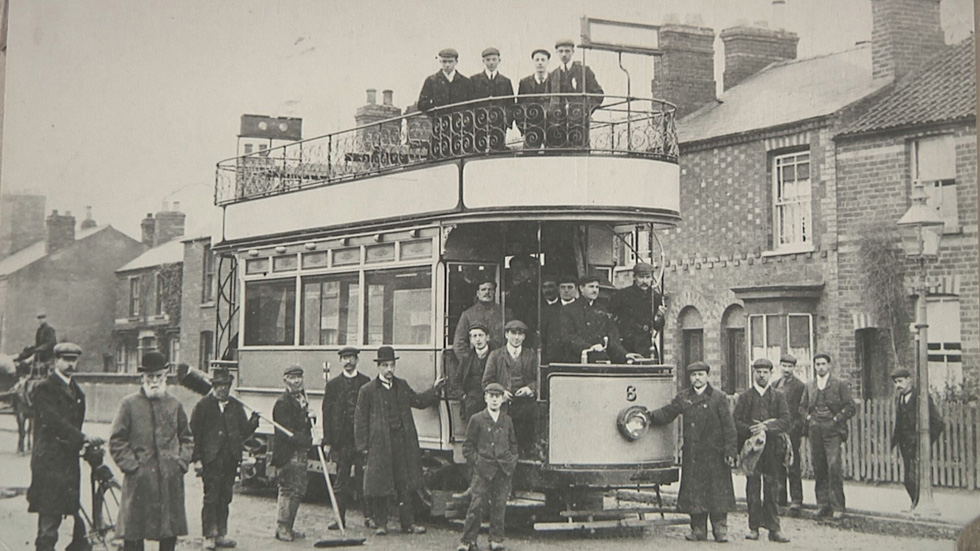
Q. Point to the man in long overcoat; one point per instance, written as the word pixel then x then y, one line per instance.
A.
pixel 586 325
pixel 59 406
pixel 792 390
pixel 493 117
pixel 339 407
pixel 384 431
pixel 569 116
pixel 905 435
pixel 151 442
pixel 826 406
pixel 219 426
pixel 760 409
pixel 708 453
pixel 639 310
pixel 292 411
pixel 452 129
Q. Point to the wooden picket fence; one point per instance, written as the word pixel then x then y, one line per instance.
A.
pixel 868 456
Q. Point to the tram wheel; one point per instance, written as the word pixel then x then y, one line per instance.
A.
pixel 439 473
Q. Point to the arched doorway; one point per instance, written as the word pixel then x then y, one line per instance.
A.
pixel 734 368
pixel 692 340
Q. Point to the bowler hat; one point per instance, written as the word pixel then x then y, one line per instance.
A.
pixel 221 376
pixel 152 362
pixel 901 372
pixel 490 51
pixel 294 369
pixel 481 326
pixel 698 366
pixel 822 355
pixel 564 42
pixel 515 325
pixel 762 363
pixel 642 269
pixel 386 354
pixel 567 278
pixel 449 52
pixel 348 351
pixel 67 350
pixel 494 388
pixel 787 359
pixel 541 51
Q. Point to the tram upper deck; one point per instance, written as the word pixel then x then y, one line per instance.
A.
pixel 543 156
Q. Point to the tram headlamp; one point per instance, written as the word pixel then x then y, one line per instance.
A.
pixel 633 422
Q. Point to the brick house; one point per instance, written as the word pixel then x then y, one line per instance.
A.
pixel 198 311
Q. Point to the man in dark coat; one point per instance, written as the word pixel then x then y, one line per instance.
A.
pixel 568 116
pixel 59 407
pixel 639 310
pixel 339 407
pixel 472 368
pixel 292 411
pixel 384 431
pixel 45 340
pixel 792 390
pixel 452 129
pixel 151 442
pixel 219 426
pixel 515 367
pixel 905 435
pixel 762 410
pixel 586 325
pixel 708 454
pixel 826 406
pixel 550 309
pixel 492 118
pixel 485 312
pixel 530 112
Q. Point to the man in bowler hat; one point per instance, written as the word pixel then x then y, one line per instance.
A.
pixel 492 118
pixel 905 435
pixel 384 432
pixel 220 426
pixel 452 130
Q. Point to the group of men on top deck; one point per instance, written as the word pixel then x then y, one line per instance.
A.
pixel 544 121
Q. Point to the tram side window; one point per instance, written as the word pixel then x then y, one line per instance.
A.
pixel 270 312
pixel 330 310
pixel 398 309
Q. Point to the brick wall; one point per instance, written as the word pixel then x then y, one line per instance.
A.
pixel 685 74
pixel 749 49
pixel 197 316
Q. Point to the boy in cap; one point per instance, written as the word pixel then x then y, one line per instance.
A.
pixel 491 451
pixel 496 116
pixel 568 116
pixel 445 87
pixel 639 311
pixel 515 368
pixel 792 390
pixel 762 410
pixel 530 113
pixel 292 410
pixel 339 407
pixel 220 426
pixel 905 435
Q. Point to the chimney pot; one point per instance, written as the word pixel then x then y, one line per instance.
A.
pixel 372 96
pixel 388 96
pixel 176 206
pixel 88 212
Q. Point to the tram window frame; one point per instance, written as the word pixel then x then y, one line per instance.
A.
pixel 253 328
pixel 391 321
pixel 348 309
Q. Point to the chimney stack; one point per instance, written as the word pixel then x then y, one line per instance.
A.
pixel 149 226
pixel 685 74
pixel 748 50
pixel 779 14
pixel 372 96
pixel 371 113
pixel 388 96
pixel 169 225
pixel 88 222
pixel 61 231
pixel 904 33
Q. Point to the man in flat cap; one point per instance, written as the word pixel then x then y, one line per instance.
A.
pixel 530 112
pixel 586 325
pixel 639 311
pixel 792 390
pixel 152 444
pixel 826 406
pixel 515 367
pixel 452 129
pixel 59 410
pixel 708 453
pixel 905 435
pixel 484 311
pixel 45 339
pixel 760 410
pixel 339 406
pixel 492 118
pixel 384 431
pixel 568 116
pixel 472 368
pixel 292 411
pixel 219 426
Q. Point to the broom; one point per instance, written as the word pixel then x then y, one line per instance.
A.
pixel 344 541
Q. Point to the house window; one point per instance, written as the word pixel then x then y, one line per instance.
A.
pixel 398 306
pixel 207 283
pixel 134 297
pixel 270 310
pixel 175 351
pixel 772 335
pixel 206 349
pixel 934 165
pixel 160 291
pixel 330 309
pixel 945 349
pixel 792 219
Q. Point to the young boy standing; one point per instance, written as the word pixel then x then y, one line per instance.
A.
pixel 491 451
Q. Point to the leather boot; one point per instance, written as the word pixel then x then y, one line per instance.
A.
pixel 719 527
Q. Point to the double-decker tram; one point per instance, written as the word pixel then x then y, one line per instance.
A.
pixel 379 235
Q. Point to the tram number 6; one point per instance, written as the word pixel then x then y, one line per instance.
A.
pixel 630 393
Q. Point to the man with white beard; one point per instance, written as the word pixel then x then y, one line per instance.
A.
pixel 151 443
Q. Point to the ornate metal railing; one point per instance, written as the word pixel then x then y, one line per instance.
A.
pixel 514 125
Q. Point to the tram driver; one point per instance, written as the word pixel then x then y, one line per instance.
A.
pixel 639 310
pixel 587 328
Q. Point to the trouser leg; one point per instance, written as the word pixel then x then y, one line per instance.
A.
pixel 479 487
pixel 168 544
pixel 911 472
pixel 47 531
pixel 818 457
pixel 344 481
pixel 835 471
pixel 405 495
pixel 522 414
pixel 795 473
pixel 292 488
pixel 379 508
pixel 499 491
pixel 753 495
pixel 133 545
pixel 719 525
pixel 211 479
pixel 770 510
pixel 699 524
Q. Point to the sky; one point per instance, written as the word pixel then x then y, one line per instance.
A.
pixel 123 104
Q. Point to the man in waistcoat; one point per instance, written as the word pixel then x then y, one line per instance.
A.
pixel 515 367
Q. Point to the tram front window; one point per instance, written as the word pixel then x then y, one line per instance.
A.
pixel 270 312
pixel 330 309
pixel 399 306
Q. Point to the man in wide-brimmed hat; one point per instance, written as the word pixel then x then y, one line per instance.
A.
pixel 384 431
pixel 152 444
pixel 220 426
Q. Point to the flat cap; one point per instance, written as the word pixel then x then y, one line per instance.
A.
pixel 515 325
pixel 564 42
pixel 41 315
pixel 449 52
pixel 589 278
pixel 490 51
pixel 822 355
pixel 221 376
pixel 152 362
pixel 787 359
pixel 541 51
pixel 762 363
pixel 348 351
pixel 642 269
pixel 481 326
pixel 901 372
pixel 494 388
pixel 698 366
pixel 294 369
pixel 67 350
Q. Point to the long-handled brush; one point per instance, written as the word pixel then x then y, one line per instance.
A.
pixel 344 541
